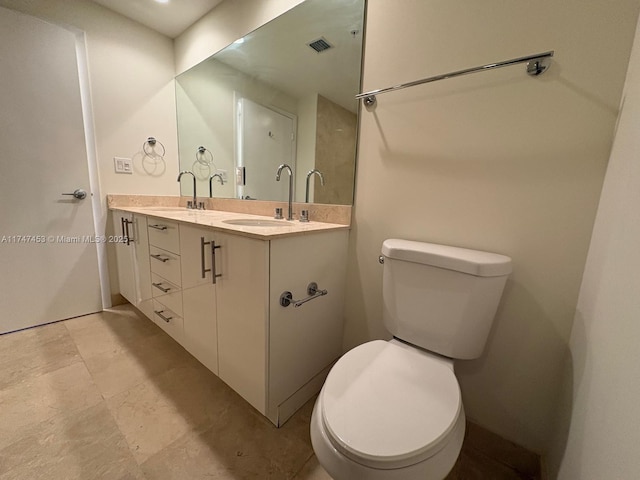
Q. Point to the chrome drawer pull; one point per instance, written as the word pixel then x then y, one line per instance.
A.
pixel 158 227
pixel 160 314
pixel 160 287
pixel 160 257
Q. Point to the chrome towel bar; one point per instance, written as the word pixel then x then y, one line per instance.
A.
pixel 536 64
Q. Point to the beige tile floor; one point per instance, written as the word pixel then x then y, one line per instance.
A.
pixel 111 396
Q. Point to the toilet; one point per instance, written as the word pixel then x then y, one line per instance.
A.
pixel 392 410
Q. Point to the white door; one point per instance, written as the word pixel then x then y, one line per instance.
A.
pixel 49 264
pixel 266 140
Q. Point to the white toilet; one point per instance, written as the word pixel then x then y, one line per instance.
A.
pixel 393 410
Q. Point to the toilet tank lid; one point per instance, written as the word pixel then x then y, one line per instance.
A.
pixel 472 262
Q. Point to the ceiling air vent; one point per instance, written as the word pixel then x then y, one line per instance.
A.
pixel 320 45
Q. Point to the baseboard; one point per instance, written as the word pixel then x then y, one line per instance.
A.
pixel 504 451
pixel 117 299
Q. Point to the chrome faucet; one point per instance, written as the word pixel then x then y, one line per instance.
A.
pixel 211 186
pixel 280 168
pixel 309 175
pixel 195 199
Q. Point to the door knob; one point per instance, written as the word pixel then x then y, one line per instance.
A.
pixel 78 193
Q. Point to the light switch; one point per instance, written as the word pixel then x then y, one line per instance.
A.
pixel 241 178
pixel 122 165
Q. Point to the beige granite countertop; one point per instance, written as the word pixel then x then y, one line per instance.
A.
pixel 215 219
pixel 340 214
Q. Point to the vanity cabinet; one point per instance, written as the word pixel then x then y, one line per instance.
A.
pixel 218 293
pixel 277 357
pixel 132 258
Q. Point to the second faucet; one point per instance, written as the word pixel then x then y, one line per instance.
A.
pixel 280 168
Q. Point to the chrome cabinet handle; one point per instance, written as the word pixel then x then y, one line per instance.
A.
pixel 204 270
pixel 158 227
pixel 160 287
pixel 160 314
pixel 214 275
pixel 126 222
pixel 160 257
pixel 77 193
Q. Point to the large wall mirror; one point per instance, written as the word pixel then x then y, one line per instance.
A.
pixel 285 93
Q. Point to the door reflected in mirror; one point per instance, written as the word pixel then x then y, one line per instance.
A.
pixel 284 94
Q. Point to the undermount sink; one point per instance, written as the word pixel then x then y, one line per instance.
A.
pixel 164 209
pixel 257 222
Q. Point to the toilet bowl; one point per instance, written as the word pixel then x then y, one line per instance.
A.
pixel 388 411
pixel 392 410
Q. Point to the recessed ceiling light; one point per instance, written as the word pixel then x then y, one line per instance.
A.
pixel 162 1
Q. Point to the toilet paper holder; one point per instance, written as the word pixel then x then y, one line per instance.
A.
pixel 286 298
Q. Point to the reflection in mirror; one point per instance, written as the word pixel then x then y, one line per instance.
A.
pixel 284 94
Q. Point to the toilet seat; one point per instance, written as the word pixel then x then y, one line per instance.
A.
pixel 386 405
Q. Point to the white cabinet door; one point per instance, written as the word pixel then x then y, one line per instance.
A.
pixel 142 268
pixel 242 294
pixel 124 256
pixel 199 294
pixel 132 257
pixel 200 332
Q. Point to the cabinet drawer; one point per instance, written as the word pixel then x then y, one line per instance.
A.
pixel 167 293
pixel 165 264
pixel 169 321
pixel 164 235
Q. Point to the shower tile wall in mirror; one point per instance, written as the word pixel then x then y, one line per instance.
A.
pixel 285 93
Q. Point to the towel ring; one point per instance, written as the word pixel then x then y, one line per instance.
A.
pixel 148 147
pixel 201 156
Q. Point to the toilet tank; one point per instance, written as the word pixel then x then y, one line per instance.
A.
pixel 441 298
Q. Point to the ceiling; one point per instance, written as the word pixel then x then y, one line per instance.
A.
pixel 171 18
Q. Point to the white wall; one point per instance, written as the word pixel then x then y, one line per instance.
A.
pixel 306 144
pixel 131 70
pixel 496 161
pixel 599 426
